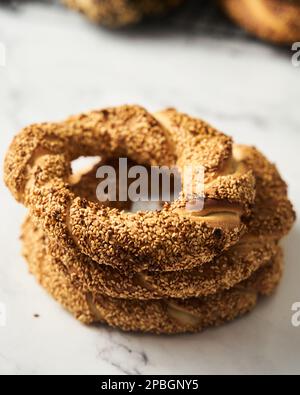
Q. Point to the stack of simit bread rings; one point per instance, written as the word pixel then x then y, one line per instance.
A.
pixel 169 271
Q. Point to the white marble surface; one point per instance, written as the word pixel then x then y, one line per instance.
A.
pixel 58 64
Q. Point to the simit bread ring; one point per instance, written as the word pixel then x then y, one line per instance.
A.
pixel 37 171
pixel 273 20
pixel 267 226
pixel 158 316
pixel 118 13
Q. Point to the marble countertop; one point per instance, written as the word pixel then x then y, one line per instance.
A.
pixel 57 64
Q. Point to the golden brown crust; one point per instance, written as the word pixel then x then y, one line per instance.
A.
pixel 224 272
pixel 277 21
pixel 272 213
pixel 37 171
pixel 170 271
pixel 157 316
pixel 267 225
pixel 118 13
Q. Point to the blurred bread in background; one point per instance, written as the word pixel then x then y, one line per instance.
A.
pixel 118 13
pixel 277 21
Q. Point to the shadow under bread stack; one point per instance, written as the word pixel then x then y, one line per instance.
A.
pixel 172 270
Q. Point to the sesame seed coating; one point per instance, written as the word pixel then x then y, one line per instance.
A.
pixel 173 270
pixel 118 13
pixel 267 224
pixel 37 171
pixel 224 272
pixel 158 316
pixel 272 213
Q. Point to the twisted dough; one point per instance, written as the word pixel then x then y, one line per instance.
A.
pixel 37 171
pixel 158 316
pixel 273 20
pixel 230 268
pixel 272 217
pixel 118 13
